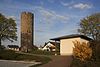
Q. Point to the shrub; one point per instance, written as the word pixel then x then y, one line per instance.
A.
pixel 2 47
pixel 95 58
pixel 82 51
pixel 8 55
pixel 79 63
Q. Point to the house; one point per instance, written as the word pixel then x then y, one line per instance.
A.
pixel 50 46
pixel 13 47
pixel 66 42
pixel 40 47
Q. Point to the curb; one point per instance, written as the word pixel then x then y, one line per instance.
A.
pixel 26 62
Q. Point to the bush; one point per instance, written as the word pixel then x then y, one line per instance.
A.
pixel 82 51
pixel 2 47
pixel 8 55
pixel 95 58
pixel 79 63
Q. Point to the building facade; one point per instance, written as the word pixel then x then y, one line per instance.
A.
pixel 13 47
pixel 67 45
pixel 50 46
pixel 66 42
pixel 27 23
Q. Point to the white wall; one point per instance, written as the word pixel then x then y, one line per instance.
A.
pixel 66 45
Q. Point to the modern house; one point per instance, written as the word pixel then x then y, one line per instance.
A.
pixel 13 47
pixel 50 46
pixel 66 42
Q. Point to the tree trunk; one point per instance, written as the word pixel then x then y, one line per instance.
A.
pixel 0 42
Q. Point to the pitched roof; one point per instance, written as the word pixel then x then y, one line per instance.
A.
pixel 71 36
pixel 13 46
pixel 54 43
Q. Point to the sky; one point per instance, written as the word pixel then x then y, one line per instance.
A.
pixel 52 18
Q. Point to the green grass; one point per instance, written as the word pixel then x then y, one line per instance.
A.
pixel 40 52
pixel 11 55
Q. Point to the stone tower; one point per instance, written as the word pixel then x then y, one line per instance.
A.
pixel 27 22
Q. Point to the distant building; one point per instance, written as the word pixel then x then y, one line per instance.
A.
pixel 13 47
pixel 50 46
pixel 40 47
pixel 66 42
pixel 27 22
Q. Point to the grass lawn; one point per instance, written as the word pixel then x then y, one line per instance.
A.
pixel 40 52
pixel 11 55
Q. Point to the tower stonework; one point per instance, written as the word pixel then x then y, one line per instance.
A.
pixel 27 22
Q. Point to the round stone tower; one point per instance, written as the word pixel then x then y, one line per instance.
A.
pixel 27 21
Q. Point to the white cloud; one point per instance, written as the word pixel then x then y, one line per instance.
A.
pixel 47 14
pixel 67 4
pixel 63 17
pixel 64 4
pixel 82 6
pixel 72 4
pixel 51 16
pixel 11 17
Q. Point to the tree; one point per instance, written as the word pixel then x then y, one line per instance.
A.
pixel 8 29
pixel 90 26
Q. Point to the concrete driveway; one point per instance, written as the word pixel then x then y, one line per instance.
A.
pixel 59 61
pixel 8 63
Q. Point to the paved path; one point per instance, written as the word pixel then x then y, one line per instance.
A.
pixel 7 63
pixel 59 61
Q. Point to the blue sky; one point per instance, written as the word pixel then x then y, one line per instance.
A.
pixel 52 18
